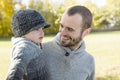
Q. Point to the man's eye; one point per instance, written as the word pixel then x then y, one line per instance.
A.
pixel 70 29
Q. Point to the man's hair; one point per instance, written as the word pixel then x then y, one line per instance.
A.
pixel 84 12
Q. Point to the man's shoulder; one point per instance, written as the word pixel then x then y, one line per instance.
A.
pixel 89 56
pixel 51 46
pixel 90 60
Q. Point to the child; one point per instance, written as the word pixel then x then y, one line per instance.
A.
pixel 27 58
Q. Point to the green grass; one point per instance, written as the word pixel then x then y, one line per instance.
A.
pixel 104 46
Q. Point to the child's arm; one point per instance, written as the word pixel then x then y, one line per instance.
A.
pixel 20 60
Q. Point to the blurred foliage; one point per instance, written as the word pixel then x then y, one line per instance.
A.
pixel 105 17
pixel 6 12
pixel 113 8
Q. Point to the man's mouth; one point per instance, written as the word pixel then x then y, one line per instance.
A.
pixel 63 38
pixel 40 37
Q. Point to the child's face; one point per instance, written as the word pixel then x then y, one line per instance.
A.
pixel 35 35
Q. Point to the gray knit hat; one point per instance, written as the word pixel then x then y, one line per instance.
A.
pixel 27 20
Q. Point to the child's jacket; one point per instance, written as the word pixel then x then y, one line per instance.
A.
pixel 27 62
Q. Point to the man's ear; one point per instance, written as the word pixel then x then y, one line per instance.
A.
pixel 86 32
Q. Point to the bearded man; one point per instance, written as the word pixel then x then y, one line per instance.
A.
pixel 66 56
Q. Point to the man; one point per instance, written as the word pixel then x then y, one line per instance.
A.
pixel 66 55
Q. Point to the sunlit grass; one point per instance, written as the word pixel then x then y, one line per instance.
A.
pixel 104 46
pixel 5 47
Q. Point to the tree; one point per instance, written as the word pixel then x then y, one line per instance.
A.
pixel 6 12
pixel 113 7
pixel 104 16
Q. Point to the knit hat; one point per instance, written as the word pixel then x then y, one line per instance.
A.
pixel 27 20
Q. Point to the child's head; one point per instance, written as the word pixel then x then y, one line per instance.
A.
pixel 28 23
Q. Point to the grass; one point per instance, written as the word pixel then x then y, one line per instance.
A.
pixel 104 46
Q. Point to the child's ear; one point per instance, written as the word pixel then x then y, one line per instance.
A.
pixel 86 32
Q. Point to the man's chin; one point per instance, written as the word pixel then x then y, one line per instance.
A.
pixel 64 44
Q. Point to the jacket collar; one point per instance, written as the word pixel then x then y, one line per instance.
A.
pixel 21 40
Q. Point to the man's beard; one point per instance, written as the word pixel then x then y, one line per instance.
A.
pixel 72 42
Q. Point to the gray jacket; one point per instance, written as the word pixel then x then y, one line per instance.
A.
pixel 78 65
pixel 27 62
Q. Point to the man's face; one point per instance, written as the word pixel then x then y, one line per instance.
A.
pixel 70 30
